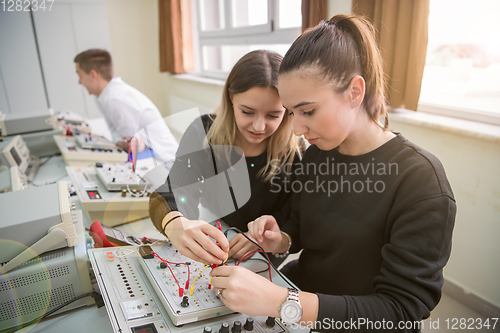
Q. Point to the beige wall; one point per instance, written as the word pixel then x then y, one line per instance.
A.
pixel 339 7
pixel 134 34
pixel 206 95
pixel 473 169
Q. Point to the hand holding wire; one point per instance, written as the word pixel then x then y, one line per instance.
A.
pixel 244 291
pixel 193 238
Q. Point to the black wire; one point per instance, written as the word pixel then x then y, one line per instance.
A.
pixel 53 182
pixel 266 256
pixel 256 259
pixel 48 313
pixel 260 259
pixel 47 159
pixel 45 162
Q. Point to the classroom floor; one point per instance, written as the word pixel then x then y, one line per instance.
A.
pixel 449 308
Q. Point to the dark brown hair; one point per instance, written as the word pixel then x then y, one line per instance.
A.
pixel 258 68
pixel 336 51
pixel 98 60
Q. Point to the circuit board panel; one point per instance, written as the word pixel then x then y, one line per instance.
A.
pixel 202 302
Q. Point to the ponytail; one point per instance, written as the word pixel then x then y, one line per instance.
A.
pixel 338 50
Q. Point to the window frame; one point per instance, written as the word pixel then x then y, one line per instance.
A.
pixel 460 113
pixel 466 113
pixel 268 33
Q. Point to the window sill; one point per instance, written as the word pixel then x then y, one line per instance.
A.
pixel 193 77
pixel 447 124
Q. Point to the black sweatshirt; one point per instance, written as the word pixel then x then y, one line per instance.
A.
pixel 374 245
pixel 192 178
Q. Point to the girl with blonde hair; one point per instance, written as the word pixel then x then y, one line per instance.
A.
pixel 250 122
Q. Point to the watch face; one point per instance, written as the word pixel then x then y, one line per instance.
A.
pixel 291 312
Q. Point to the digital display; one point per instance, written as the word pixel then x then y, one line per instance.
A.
pixel 16 157
pixel 93 194
pixel 149 328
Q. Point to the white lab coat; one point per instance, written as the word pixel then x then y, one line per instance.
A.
pixel 128 112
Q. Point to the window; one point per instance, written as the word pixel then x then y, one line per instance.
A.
pixel 462 70
pixel 228 29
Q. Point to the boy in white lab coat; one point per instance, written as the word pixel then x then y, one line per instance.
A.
pixel 127 111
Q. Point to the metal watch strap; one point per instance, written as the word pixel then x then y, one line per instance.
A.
pixel 293 295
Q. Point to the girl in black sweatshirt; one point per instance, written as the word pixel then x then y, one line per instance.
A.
pixel 372 212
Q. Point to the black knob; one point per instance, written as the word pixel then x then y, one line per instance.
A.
pixel 207 329
pixel 249 324
pixel 270 321
pixel 185 302
pixel 236 327
pixel 113 180
pixel 163 265
pixel 224 328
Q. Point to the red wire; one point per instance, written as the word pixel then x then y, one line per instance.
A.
pixel 219 225
pixel 177 263
pixel 246 255
pixel 166 262
pixel 250 253
pixel 132 148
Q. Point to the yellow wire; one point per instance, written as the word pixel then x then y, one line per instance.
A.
pixel 227 256
pixel 192 286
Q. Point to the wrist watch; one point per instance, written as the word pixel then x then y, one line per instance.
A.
pixel 291 310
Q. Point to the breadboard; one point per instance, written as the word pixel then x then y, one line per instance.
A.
pixel 89 141
pixel 118 177
pixel 74 155
pixel 203 303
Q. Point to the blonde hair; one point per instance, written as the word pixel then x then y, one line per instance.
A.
pixel 255 69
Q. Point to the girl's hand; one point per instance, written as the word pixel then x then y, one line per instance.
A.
pixel 192 239
pixel 266 232
pixel 239 246
pixel 246 292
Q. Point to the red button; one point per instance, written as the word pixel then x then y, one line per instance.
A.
pixel 91 194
